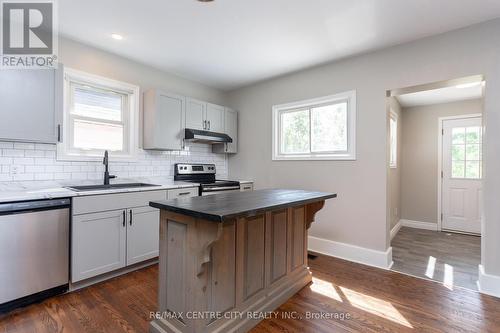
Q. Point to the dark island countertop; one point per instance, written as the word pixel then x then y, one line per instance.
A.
pixel 225 206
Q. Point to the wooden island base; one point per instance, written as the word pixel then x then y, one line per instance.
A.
pixel 225 276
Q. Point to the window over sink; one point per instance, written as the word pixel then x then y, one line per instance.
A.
pixel 317 129
pixel 99 114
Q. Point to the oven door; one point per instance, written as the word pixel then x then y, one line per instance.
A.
pixel 219 190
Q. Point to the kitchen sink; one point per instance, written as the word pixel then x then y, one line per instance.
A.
pixel 108 187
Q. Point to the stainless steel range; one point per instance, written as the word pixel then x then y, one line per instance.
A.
pixel 205 175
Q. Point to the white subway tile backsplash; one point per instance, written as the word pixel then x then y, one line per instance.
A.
pixel 34 153
pixel 38 162
pixel 25 146
pixel 35 169
pixel 24 161
pixel 45 146
pixel 13 152
pixel 6 145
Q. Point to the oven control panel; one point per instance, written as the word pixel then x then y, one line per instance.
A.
pixel 192 169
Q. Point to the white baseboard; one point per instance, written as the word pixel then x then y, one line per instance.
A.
pixel 488 284
pixel 395 229
pixel 349 252
pixel 419 225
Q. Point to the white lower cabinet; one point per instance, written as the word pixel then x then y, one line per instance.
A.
pixel 98 244
pixel 142 234
pixel 112 231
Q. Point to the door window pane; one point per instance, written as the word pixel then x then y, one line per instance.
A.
pixel 473 134
pixel 472 169
pixel 329 128
pixel 295 132
pixel 458 152
pixel 458 135
pixel 457 169
pixel 473 152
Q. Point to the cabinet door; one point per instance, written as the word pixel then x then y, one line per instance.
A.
pixel 98 244
pixel 195 114
pixel 143 232
pixel 231 129
pixel 31 105
pixel 215 118
pixel 163 120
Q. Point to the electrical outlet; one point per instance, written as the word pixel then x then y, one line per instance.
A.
pixel 14 169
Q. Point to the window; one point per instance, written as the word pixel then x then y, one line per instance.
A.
pixel 466 156
pixel 393 137
pixel 317 129
pixel 99 114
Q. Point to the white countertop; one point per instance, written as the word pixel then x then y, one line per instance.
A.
pixel 22 191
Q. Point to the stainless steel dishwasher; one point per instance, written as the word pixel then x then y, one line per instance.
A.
pixel 34 251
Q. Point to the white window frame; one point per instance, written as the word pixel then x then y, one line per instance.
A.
pixel 348 155
pixel 393 164
pixel 65 151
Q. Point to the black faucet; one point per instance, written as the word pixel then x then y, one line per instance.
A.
pixel 107 176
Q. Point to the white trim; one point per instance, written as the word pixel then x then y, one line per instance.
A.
pixel 419 225
pixel 349 155
pixel 393 115
pixel 63 149
pixel 353 253
pixel 440 161
pixel 395 229
pixel 488 284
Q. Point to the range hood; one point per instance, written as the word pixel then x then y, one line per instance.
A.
pixel 194 135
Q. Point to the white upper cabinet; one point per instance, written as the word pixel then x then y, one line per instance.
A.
pixel 215 118
pixel 231 129
pixel 31 105
pixel 195 114
pixel 164 118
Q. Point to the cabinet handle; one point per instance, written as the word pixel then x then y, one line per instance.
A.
pixel 209 125
pixel 204 124
pixel 59 133
pixel 184 193
pixel 130 217
pixel 124 218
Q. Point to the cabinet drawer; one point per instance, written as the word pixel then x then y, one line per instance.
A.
pixel 182 193
pixel 106 202
pixel 246 187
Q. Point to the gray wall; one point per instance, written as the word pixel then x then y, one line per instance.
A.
pixel 420 156
pixel 394 174
pixel 358 215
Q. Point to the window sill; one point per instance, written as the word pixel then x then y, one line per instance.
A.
pixel 315 158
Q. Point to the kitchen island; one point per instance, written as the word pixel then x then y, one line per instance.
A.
pixel 227 259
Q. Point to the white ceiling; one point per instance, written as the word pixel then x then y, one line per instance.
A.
pixel 231 43
pixel 438 96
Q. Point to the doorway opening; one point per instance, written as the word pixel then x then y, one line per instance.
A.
pixel 435 180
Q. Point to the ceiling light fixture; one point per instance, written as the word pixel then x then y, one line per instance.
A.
pixel 205 0
pixel 468 85
pixel 117 36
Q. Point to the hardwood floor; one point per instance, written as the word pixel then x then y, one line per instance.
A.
pixel 429 254
pixel 371 299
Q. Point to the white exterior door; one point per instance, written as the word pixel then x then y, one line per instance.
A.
pixel 462 174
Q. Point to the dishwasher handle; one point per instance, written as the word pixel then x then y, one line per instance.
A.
pixel 34 205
